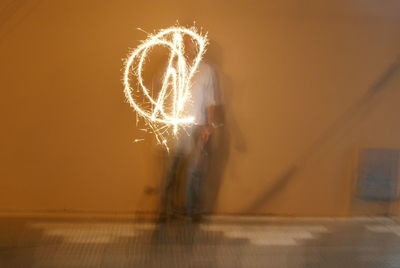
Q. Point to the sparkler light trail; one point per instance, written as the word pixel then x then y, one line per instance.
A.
pixel 167 112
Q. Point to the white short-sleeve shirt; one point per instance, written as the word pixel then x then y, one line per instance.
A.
pixel 202 93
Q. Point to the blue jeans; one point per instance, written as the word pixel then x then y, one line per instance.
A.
pixel 195 161
pixel 193 190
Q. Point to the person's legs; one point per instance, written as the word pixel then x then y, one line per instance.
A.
pixel 193 190
pixel 168 184
pixel 170 181
pixel 195 176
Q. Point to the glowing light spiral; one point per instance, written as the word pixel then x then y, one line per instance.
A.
pixel 176 81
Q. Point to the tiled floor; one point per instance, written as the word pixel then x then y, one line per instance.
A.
pixel 221 242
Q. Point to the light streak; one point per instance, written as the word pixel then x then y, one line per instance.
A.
pixel 165 117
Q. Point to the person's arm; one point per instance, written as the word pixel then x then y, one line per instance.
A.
pixel 210 122
pixel 210 102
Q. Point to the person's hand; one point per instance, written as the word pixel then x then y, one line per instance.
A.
pixel 206 133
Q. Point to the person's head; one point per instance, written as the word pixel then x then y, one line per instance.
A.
pixel 191 49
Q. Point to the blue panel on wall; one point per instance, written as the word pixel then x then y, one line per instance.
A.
pixel 378 174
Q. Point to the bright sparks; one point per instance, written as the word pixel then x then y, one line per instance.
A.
pixel 167 112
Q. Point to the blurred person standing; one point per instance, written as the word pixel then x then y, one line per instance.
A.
pixel 190 154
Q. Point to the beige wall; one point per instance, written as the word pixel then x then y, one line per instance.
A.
pixel 288 70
